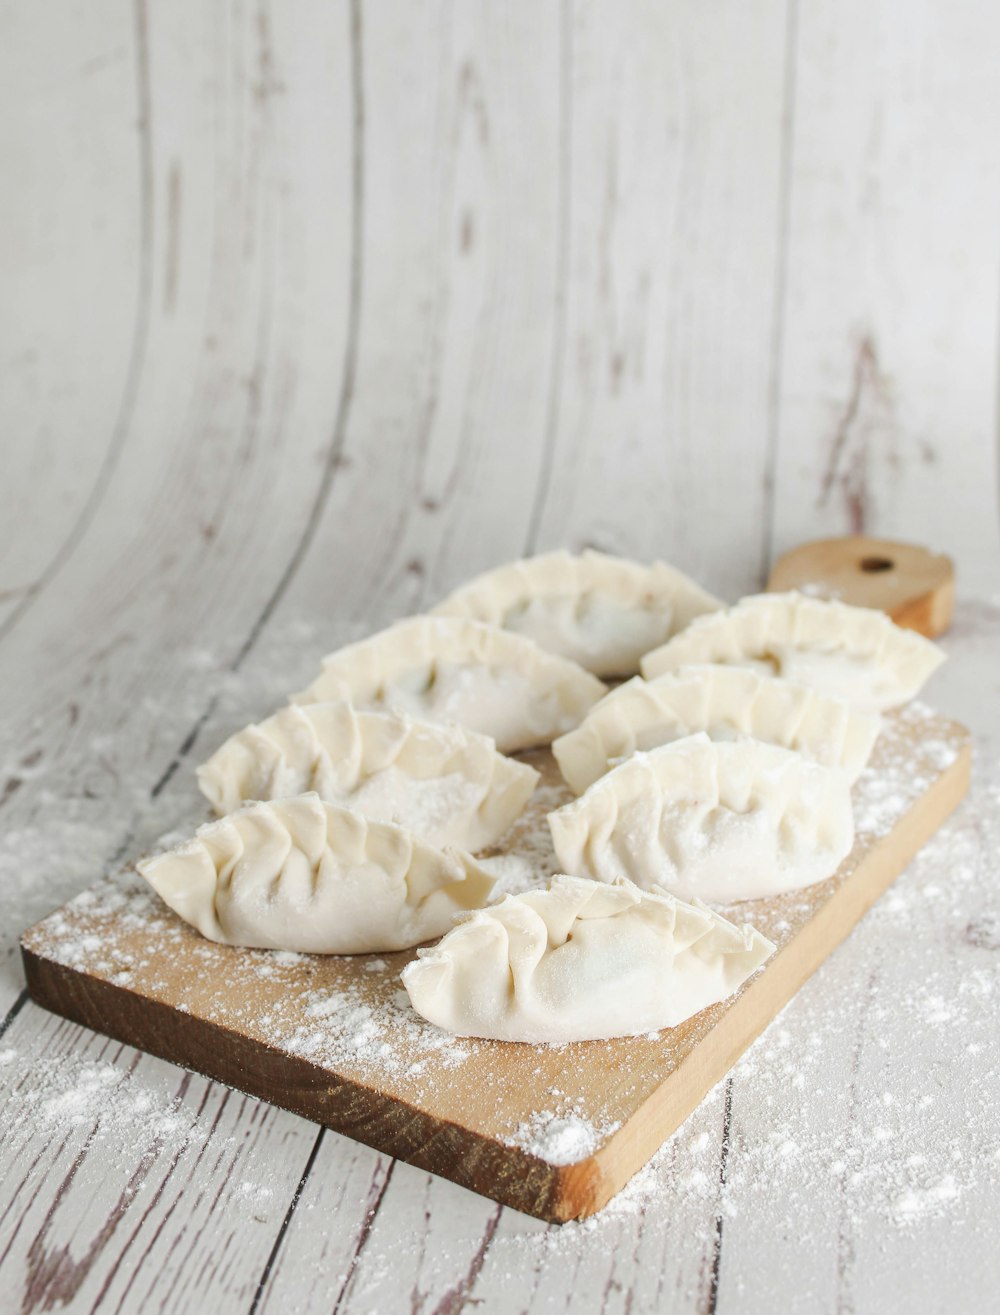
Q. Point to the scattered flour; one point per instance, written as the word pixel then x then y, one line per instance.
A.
pixel 514 873
pixel 426 806
pixel 560 1138
pixel 892 779
pixel 914 1202
pixel 253 1194
pixel 814 1135
pixel 118 1110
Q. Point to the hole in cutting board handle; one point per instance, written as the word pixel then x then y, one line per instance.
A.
pixel 914 586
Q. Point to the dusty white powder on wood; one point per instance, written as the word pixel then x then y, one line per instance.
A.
pixel 903 1161
pixel 560 1138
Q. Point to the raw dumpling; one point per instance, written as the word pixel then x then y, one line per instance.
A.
pixel 851 653
pixel 603 612
pixel 725 702
pixel 721 822
pixel 448 669
pixel 445 784
pixel 581 961
pixel 299 874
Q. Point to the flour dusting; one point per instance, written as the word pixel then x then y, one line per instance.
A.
pixel 808 1129
pixel 560 1138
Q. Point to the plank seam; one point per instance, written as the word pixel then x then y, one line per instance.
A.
pixel 13 1011
pixel 138 1268
pixel 332 463
pixel 562 274
pixel 780 288
pixel 144 1216
pixel 363 1236
pixel 293 1205
pixel 845 1244
pixel 458 1297
pixel 353 336
pixel 187 744
pixel 727 1122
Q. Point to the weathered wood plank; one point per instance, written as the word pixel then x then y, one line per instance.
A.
pixel 344 1184
pixel 853 1117
pixel 452 383
pixel 418 1237
pixel 73 333
pixel 275 671
pixel 107 674
pixel 130 1183
pixel 438 1247
pixel 890 315
pixel 235 425
pixel 243 126
pixel 859 1119
pixel 661 431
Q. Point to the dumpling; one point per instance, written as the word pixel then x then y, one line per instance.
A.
pixel 715 821
pixel 445 784
pixel 603 612
pixel 725 702
pixel 451 670
pixel 851 653
pixel 581 961
pixel 299 874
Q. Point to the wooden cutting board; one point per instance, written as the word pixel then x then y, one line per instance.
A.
pixel 335 1040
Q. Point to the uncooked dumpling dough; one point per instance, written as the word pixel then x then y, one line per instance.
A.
pixel 714 821
pixel 449 669
pixel 603 612
pixel 851 653
pixel 446 784
pixel 300 874
pixel 725 703
pixel 581 961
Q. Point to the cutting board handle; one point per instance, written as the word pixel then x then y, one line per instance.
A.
pixel 915 586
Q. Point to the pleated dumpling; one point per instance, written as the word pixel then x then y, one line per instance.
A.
pixel 448 669
pixel 851 653
pixel 724 702
pixel 603 612
pixel 581 961
pixel 715 821
pixel 300 874
pixel 445 784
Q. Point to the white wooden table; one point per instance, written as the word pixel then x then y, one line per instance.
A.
pixel 310 311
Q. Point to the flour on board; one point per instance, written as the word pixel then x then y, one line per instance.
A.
pixel 560 1138
pixel 383 1035
pixel 896 1159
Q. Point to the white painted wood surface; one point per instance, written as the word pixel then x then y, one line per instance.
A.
pixel 312 310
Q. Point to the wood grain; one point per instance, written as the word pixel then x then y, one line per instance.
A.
pixel 914 586
pixel 123 1204
pixel 666 176
pixel 226 551
pixel 212 1009
pixel 889 321
pixel 880 1039
pixel 74 371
